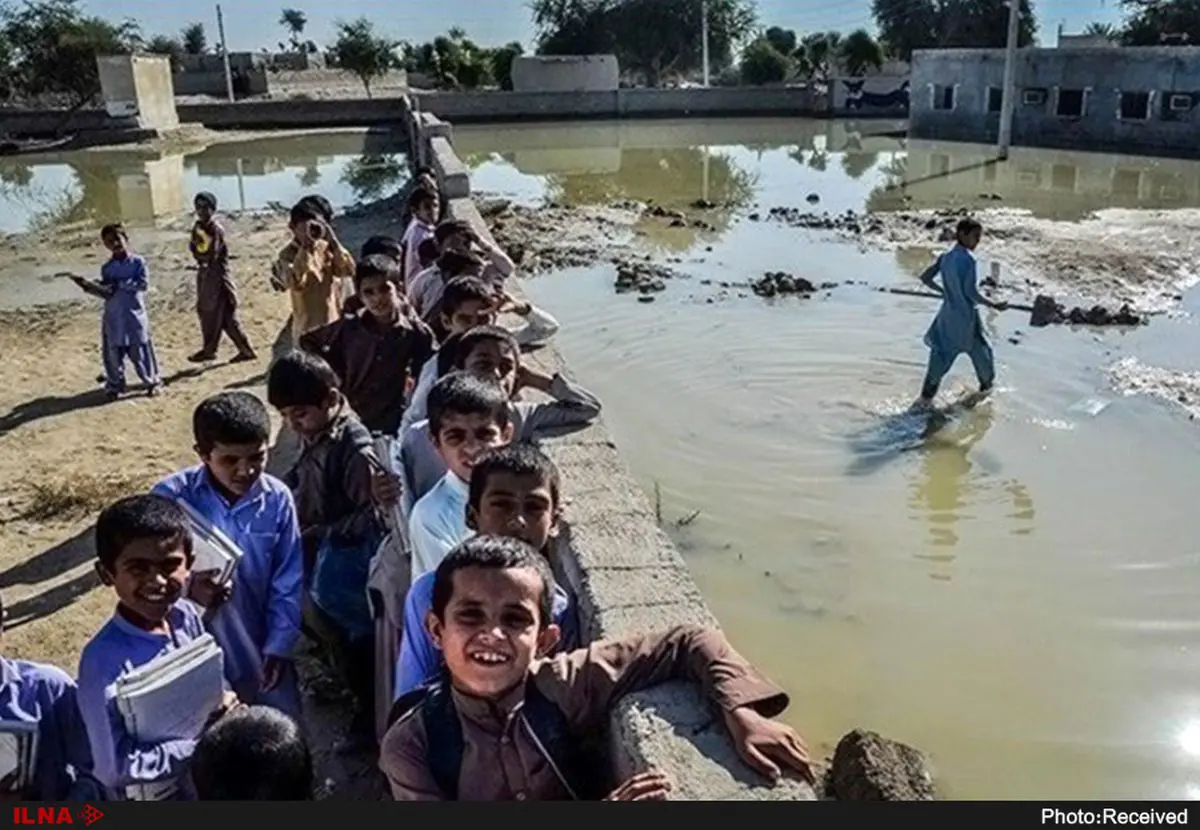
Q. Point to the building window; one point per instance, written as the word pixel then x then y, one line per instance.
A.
pixel 1127 182
pixel 1034 98
pixel 1070 103
pixel 1063 176
pixel 995 99
pixel 943 97
pixel 1135 106
pixel 1177 102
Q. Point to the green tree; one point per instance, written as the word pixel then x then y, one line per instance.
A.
pixel 651 37
pixel 784 40
pixel 360 51
pixel 166 46
pixel 1161 22
pixel 53 48
pixel 818 53
pixel 502 62
pixel 370 175
pixel 194 38
pixel 763 63
pixel 1104 30
pixel 294 21
pixel 859 52
pixel 907 25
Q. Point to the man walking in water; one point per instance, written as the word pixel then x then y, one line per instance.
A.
pixel 957 327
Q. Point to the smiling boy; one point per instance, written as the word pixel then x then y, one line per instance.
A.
pixel 491 620
pixel 259 624
pixel 514 492
pixel 467 415
pixel 143 552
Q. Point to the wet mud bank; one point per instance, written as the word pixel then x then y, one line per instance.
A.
pixel 613 553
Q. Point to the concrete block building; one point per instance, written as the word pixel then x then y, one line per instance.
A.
pixel 1133 100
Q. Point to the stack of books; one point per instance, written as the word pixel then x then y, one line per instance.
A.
pixel 171 698
pixel 215 552
pixel 18 755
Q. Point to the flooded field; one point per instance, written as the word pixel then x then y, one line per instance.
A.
pixel 1014 593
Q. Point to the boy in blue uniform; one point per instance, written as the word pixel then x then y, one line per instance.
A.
pixel 144 552
pixel 126 327
pixel 514 491
pixel 957 328
pixel 45 695
pixel 258 626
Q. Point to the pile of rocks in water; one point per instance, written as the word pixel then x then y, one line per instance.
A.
pixel 644 277
pixel 775 283
pixel 679 219
pixel 849 222
pixel 1048 311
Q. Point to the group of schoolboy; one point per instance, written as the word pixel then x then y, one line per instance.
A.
pixel 412 541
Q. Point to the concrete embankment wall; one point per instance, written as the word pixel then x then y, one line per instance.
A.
pixel 454 106
pixel 626 573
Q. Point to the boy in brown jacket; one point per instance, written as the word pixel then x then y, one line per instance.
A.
pixel 491 619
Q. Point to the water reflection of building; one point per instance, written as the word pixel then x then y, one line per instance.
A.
pixel 1056 183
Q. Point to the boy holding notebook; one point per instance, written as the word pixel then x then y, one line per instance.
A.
pixel 260 623
pixel 143 552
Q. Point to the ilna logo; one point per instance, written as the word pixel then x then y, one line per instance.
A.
pixel 87 816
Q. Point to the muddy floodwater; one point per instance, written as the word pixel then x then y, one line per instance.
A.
pixel 1014 590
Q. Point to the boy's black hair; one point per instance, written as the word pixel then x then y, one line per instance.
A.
pixel 456 263
pixel 481 334
pixel 419 197
pixel 967 226
pixel 463 290
pixel 377 265
pixel 254 753
pixel 427 252
pixel 448 228
pixel 497 552
pixel 300 379
pixel 230 418
pixel 520 458
pixel 144 516
pixel 205 198
pixel 112 229
pixel 385 245
pixel 320 205
pixel 304 212
pixel 461 393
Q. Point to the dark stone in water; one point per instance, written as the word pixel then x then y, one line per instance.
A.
pixel 1047 311
pixel 813 198
pixel 869 767
pixel 780 282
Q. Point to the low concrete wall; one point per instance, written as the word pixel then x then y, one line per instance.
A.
pixel 262 115
pixel 629 578
pixel 468 107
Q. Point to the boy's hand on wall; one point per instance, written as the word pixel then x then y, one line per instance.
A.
pixel 761 741
pixel 645 786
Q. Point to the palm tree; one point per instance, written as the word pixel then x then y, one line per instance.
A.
pixel 1104 30
pixel 195 41
pixel 816 53
pixel 294 21
pixel 859 52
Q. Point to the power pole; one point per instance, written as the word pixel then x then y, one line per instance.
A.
pixel 704 36
pixel 1007 102
pixel 225 54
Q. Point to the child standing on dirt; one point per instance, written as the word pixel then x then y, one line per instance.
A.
pixel 257 623
pixel 144 553
pixel 216 296
pixel 423 204
pixel 957 328
pixel 313 268
pixel 340 530
pixel 126 327
pixel 379 352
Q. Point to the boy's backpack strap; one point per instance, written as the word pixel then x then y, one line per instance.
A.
pixel 552 732
pixel 443 739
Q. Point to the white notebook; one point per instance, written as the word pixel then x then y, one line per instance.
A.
pixel 18 754
pixel 214 550
pixel 172 696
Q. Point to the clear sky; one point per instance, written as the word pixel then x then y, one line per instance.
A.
pixel 254 24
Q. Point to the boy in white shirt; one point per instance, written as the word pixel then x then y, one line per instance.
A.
pixel 424 206
pixel 467 415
